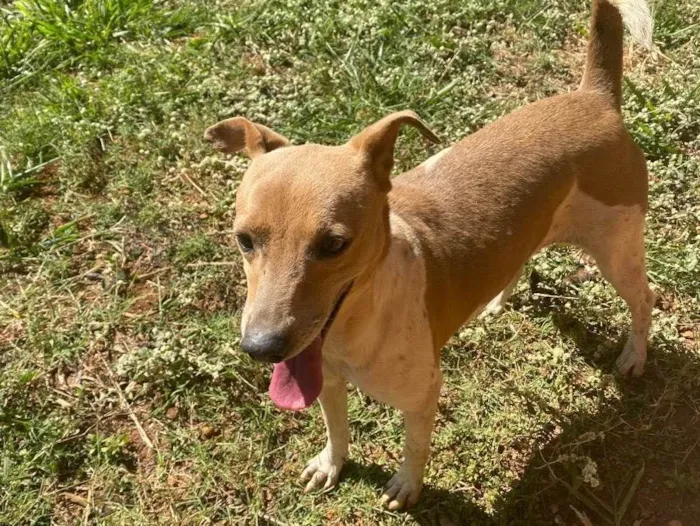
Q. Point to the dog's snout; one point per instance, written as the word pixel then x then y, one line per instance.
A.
pixel 264 345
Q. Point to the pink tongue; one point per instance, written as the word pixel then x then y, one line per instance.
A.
pixel 297 382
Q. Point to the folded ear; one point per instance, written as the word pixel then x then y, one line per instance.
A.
pixel 238 133
pixel 376 142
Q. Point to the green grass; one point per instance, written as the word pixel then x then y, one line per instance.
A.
pixel 123 396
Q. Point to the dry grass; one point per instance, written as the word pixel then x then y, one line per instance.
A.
pixel 123 398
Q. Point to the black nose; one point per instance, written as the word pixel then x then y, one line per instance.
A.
pixel 264 346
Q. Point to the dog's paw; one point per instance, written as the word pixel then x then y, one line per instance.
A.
pixel 494 307
pixel 322 472
pixel 491 311
pixel 402 491
pixel 630 360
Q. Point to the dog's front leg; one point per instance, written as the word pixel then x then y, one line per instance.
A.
pixel 404 488
pixel 323 470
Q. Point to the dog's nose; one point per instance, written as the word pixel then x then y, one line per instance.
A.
pixel 264 346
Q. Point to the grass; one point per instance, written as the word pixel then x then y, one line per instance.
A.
pixel 123 397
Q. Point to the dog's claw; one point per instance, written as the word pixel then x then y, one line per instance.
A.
pixel 321 473
pixel 401 492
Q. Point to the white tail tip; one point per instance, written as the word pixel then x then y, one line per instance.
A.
pixel 638 20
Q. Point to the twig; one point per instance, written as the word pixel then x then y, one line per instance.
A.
pixel 141 277
pixel 542 295
pixel 88 506
pixel 212 264
pixel 75 499
pixel 160 297
pixel 79 435
pixel 690 450
pixel 197 187
pixel 127 407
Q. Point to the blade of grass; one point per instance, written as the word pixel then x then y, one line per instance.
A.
pixel 620 514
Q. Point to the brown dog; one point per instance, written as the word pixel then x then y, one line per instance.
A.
pixel 354 277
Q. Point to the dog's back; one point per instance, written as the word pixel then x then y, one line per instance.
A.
pixel 485 205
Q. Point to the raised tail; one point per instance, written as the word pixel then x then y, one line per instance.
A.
pixel 604 60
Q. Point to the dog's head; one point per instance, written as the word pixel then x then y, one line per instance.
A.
pixel 309 221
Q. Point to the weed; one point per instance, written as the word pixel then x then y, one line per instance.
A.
pixel 123 396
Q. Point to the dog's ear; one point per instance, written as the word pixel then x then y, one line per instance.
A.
pixel 238 133
pixel 376 142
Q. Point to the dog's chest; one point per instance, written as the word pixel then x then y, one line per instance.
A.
pixel 389 353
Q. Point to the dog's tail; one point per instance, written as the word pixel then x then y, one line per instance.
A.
pixel 604 61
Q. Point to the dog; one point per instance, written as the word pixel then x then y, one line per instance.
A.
pixel 353 276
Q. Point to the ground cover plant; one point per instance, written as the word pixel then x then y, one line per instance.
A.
pixel 123 397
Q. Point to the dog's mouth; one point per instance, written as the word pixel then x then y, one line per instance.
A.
pixel 336 308
pixel 297 381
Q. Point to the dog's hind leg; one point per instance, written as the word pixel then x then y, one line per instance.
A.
pixel 623 266
pixel 495 306
pixel 614 236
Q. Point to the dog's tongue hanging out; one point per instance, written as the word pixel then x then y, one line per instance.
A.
pixel 297 382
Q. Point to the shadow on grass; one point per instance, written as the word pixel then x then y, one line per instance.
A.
pixel 646 446
pixel 436 506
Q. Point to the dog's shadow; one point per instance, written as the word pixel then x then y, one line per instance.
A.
pixel 437 506
pixel 652 429
pixel 594 340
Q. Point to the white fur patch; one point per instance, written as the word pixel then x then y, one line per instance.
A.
pixel 614 237
pixel 391 357
pixel 638 19
pixel 431 163
pixel 582 219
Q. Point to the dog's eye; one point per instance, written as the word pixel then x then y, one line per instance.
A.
pixel 331 246
pixel 245 242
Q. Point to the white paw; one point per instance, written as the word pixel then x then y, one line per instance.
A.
pixel 630 360
pixel 322 472
pixel 402 491
pixel 494 308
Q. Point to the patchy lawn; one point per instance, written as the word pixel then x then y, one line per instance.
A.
pixel 123 397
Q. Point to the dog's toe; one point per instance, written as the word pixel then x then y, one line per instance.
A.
pixel 490 312
pixel 493 309
pixel 630 361
pixel 401 492
pixel 321 473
